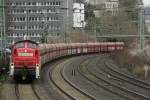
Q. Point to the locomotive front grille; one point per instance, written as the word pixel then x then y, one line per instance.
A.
pixel 25 61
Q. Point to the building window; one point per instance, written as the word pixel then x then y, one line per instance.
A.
pixel 33 3
pixel 29 3
pixel 57 3
pixel 45 3
pixel 53 3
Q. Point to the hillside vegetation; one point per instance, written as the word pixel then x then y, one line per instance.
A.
pixel 134 59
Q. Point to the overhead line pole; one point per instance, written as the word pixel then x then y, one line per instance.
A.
pixel 4 29
pixel 143 30
pixel 1 29
pixel 141 27
pixel 67 21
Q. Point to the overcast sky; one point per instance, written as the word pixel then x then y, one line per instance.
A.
pixel 146 2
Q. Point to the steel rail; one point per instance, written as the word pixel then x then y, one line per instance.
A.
pixel 122 79
pixel 132 81
pixel 50 76
pixel 122 88
pixel 139 95
pixel 18 95
pixel 36 94
pixel 101 85
pixel 145 85
pixel 71 85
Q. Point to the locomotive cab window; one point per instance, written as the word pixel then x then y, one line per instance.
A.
pixel 32 45
pixel 20 45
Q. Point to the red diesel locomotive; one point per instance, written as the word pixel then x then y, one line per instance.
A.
pixel 25 59
pixel 28 56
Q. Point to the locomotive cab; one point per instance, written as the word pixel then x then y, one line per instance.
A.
pixel 25 59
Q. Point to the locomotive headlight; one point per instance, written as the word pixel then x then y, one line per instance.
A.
pixel 12 64
pixel 25 50
pixel 11 69
pixel 37 71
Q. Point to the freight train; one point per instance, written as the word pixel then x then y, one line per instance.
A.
pixel 28 57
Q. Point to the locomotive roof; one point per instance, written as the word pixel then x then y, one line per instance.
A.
pixel 26 41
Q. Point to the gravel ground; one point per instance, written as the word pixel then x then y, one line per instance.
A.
pixel 2 96
pixel 7 91
pixel 45 83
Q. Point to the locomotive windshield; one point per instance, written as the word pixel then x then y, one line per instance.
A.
pixel 20 45
pixel 32 45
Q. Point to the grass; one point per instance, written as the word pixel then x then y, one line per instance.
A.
pixel 2 77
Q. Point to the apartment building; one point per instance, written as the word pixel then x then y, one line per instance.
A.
pixel 38 18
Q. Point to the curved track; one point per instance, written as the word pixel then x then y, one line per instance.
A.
pixel 130 90
pixel 136 85
pixel 93 74
pixel 70 90
pixel 100 82
pixel 112 70
pixel 95 70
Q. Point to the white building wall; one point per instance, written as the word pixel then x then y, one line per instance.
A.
pixel 78 15
pixel 112 5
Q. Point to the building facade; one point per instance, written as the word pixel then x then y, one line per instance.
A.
pixel 78 15
pixel 112 6
pixel 38 18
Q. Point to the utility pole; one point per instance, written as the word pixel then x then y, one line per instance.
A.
pixel 141 27
pixel 95 26
pixel 4 29
pixel 45 26
pixel 95 31
pixel 27 21
pixel 67 22
pixel 3 32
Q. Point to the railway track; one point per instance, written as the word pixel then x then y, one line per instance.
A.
pixel 25 92
pixel 88 71
pixel 128 78
pixel 70 90
pixel 97 71
pixel 140 86
pixel 82 83
pixel 100 82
